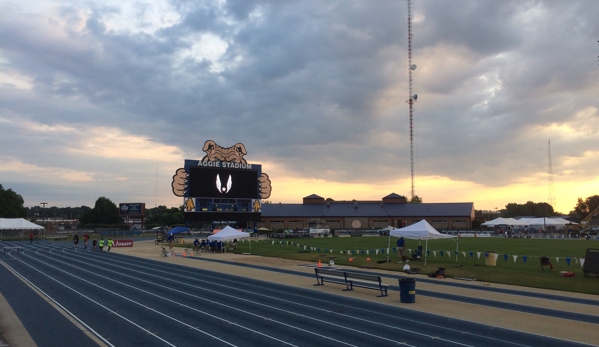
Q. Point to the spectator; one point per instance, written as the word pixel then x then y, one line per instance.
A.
pixel 401 249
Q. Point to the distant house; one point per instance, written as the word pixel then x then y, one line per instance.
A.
pixel 392 210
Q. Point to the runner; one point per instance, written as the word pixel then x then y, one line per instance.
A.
pixel 85 238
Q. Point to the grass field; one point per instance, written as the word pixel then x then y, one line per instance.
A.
pixel 522 273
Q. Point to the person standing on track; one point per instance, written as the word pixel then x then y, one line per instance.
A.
pixel 110 244
pixel 75 240
pixel 94 244
pixel 101 244
pixel 401 249
pixel 30 237
pixel 85 238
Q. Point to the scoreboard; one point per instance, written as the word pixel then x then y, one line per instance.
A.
pixel 223 183
pixel 222 191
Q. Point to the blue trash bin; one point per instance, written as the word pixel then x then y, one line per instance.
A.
pixel 407 290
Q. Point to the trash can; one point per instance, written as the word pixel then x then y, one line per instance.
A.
pixel 490 258
pixel 407 290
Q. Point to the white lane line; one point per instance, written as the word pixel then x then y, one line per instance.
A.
pixel 287 296
pixel 286 311
pixel 147 307
pixel 391 317
pixel 259 304
pixel 59 305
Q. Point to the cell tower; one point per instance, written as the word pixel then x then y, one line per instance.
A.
pixel 551 199
pixel 413 97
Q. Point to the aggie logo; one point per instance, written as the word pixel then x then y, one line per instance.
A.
pixel 123 243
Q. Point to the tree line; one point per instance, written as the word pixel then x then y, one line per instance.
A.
pixel 106 213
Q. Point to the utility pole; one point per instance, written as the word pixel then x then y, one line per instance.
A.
pixel 551 199
pixel 44 213
pixel 413 97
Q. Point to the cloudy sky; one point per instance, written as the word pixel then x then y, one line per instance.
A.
pixel 108 98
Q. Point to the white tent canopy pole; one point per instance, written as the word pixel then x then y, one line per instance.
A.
pixel 420 231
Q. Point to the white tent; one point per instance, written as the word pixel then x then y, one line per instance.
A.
pixel 420 231
pixel 18 224
pixel 544 221
pixel 228 234
pixel 385 229
pixel 503 221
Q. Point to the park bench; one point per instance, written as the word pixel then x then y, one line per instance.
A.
pixel 351 280
pixel 330 275
pixel 362 280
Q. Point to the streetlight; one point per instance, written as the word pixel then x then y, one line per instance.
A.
pixel 44 214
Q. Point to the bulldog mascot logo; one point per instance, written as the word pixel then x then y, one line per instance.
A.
pixel 214 152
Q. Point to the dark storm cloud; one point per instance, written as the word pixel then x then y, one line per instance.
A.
pixel 305 82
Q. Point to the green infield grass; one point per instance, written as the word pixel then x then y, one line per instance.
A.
pixel 469 263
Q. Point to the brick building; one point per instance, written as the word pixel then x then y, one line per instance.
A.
pixel 392 210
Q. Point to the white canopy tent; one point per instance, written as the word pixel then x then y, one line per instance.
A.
pixel 18 224
pixel 545 221
pixel 503 221
pixel 420 231
pixel 228 234
pixel 386 229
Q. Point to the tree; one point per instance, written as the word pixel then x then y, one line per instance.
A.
pixel 11 204
pixel 104 212
pixel 171 216
pixel 584 207
pixel 540 209
pixel 38 213
pixel 416 200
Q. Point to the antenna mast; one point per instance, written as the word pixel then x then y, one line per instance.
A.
pixel 550 176
pixel 413 97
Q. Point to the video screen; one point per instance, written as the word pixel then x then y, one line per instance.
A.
pixel 222 183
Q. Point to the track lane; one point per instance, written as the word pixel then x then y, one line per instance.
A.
pixel 302 316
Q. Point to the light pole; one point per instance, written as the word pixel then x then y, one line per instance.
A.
pixel 44 214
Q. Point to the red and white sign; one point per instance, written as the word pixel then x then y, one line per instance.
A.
pixel 123 243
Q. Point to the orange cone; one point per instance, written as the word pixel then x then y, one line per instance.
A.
pixel 367 259
pixel 319 263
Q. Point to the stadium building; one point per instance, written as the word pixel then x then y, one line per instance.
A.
pixel 393 210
